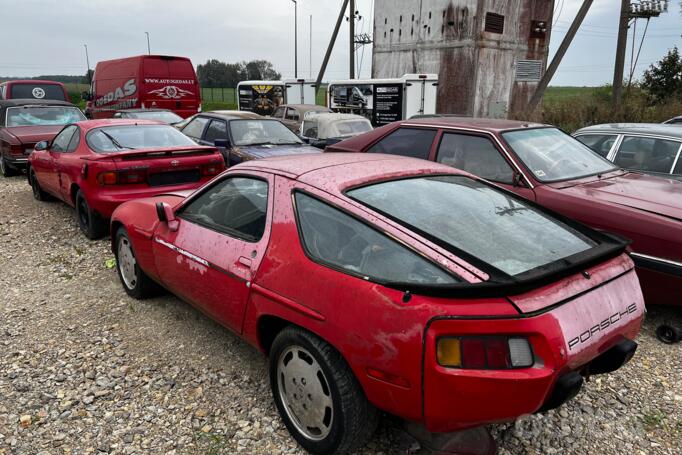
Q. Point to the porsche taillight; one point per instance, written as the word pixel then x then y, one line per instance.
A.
pixel 484 352
pixel 127 177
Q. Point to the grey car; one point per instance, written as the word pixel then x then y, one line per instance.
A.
pixel 651 148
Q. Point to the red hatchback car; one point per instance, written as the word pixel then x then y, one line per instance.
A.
pixel 545 165
pixel 96 165
pixel 451 321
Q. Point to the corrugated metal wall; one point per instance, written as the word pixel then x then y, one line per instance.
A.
pixel 477 68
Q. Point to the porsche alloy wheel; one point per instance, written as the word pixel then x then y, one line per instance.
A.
pixel 136 283
pixel 316 393
pixel 304 391
pixel 126 263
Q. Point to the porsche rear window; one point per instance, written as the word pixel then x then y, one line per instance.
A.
pixel 468 216
pixel 38 91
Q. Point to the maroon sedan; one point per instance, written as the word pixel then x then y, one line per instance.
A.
pixel 543 164
pixel 25 122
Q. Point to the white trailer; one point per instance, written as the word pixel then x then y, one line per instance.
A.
pixel 263 97
pixel 384 101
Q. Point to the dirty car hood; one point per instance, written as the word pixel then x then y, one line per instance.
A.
pixel 651 194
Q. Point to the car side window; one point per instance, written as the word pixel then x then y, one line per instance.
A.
pixel 217 129
pixel 279 112
pixel 195 128
pixel 647 154
pixel 75 140
pixel 412 142
pixel 236 206
pixel 340 241
pixel 292 114
pixel 476 155
pixel 309 129
pixel 599 143
pixel 61 142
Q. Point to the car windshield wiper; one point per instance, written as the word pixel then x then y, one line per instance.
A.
pixel 115 142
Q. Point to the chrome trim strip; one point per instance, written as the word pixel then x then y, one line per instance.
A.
pixel 654 258
pixel 677 158
pixel 475 130
pixel 182 252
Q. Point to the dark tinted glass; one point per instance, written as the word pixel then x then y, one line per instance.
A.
pixel 412 142
pixel 495 227
pixel 339 240
pixel 236 206
pixel 37 91
pixel 195 128
pixel 217 129
pixel 476 155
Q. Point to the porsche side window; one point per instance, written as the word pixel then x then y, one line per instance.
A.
pixel 61 142
pixel 338 240
pixel 412 142
pixel 599 143
pixel 236 206
pixel 476 155
pixel 195 127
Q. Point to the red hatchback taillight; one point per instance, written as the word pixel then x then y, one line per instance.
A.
pixel 212 169
pixel 128 177
pixel 484 353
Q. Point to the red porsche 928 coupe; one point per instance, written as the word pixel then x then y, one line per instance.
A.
pixel 96 165
pixel 382 282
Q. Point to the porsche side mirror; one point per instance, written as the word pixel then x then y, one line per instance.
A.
pixel 222 143
pixel 165 214
pixel 42 145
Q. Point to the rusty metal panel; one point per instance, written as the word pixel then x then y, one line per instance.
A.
pixel 476 68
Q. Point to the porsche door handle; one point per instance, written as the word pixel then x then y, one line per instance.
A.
pixel 244 262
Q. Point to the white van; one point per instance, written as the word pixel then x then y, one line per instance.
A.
pixel 384 101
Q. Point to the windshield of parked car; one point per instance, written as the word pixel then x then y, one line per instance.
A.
pixel 261 132
pixel 553 155
pixel 465 215
pixel 42 115
pixel 110 139
pixel 161 116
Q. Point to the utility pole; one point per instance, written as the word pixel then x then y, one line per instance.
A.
pixel 339 21
pixel 551 69
pixel 311 47
pixel 351 19
pixel 620 52
pixel 149 49
pixel 87 61
pixel 295 38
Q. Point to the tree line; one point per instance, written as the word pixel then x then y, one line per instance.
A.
pixel 215 73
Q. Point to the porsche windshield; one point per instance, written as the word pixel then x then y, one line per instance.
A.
pixel 469 216
pixel 131 137
pixel 553 155
pixel 43 115
pixel 261 132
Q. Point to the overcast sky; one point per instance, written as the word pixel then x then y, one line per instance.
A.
pixel 47 36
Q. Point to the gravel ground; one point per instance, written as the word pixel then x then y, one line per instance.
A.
pixel 86 369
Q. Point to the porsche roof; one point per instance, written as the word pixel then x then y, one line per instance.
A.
pixel 487 124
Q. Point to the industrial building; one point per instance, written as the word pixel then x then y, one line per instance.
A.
pixel 489 54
